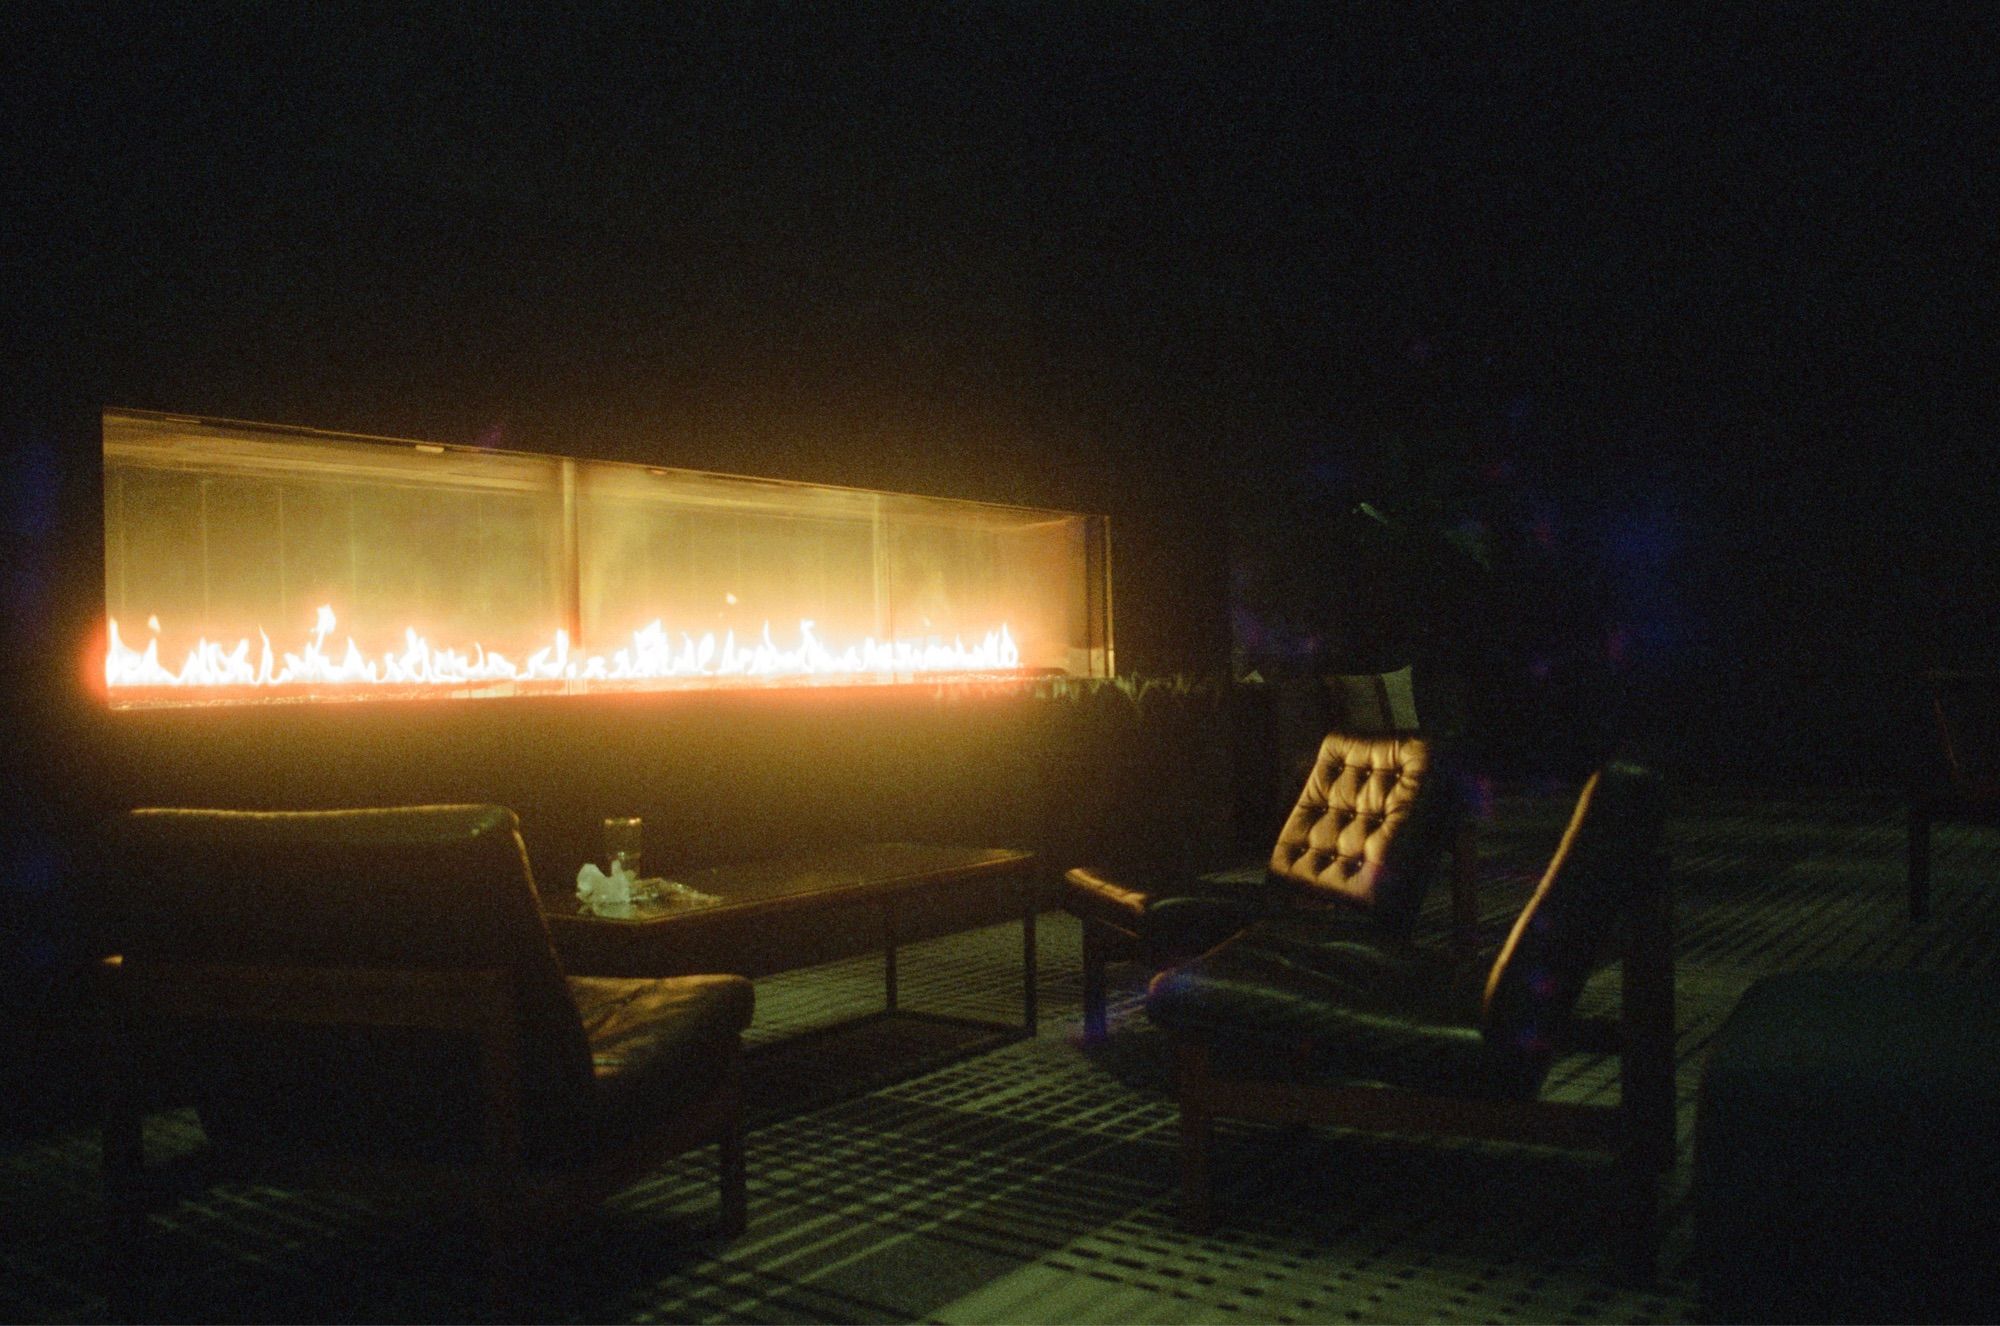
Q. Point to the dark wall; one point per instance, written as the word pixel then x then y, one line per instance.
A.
pixel 1076 770
pixel 717 776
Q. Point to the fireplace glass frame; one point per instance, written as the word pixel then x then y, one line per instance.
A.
pixel 251 563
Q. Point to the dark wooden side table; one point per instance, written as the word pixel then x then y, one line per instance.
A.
pixel 792 911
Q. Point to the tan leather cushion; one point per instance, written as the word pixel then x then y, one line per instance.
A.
pixel 1361 791
pixel 1369 829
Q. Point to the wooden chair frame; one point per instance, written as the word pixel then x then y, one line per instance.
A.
pixel 513 1199
pixel 1639 1131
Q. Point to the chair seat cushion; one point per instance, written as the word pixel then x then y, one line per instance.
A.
pixel 1372 1008
pixel 656 1045
pixel 1179 927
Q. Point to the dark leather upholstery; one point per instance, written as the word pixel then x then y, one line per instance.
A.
pixel 1845 1157
pixel 410 888
pixel 656 1045
pixel 1369 829
pixel 1377 1009
pixel 1371 1010
pixel 1320 1018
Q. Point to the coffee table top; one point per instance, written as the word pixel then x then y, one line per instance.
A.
pixel 845 874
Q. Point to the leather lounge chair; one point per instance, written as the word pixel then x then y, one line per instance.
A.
pixel 1321 1022
pixel 368 999
pixel 1367 835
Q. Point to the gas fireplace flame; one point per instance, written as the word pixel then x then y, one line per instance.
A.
pixel 653 654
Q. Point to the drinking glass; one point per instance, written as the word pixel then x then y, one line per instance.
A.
pixel 621 842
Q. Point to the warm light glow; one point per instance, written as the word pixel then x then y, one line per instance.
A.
pixel 654 655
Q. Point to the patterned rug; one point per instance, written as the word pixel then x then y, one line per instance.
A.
pixel 900 1172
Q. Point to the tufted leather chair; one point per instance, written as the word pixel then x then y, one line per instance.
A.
pixel 1369 823
pixel 370 996
pixel 1361 1029
pixel 1367 834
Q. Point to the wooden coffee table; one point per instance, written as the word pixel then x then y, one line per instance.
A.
pixel 780 914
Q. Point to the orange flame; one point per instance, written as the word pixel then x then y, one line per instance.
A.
pixel 652 655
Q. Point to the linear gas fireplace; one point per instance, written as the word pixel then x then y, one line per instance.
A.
pixel 249 563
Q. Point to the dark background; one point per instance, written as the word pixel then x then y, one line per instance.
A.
pixel 1675 321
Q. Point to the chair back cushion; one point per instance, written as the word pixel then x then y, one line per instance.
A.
pixel 1370 826
pixel 1377 703
pixel 422 887
pixel 1611 847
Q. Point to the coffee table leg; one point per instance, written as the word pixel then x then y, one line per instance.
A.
pixel 1030 1013
pixel 889 957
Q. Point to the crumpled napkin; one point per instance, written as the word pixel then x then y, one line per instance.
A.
pixel 605 895
pixel 616 893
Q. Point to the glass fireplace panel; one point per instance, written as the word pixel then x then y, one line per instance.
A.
pixel 954 576
pixel 221 537
pixel 701 556
pixel 251 562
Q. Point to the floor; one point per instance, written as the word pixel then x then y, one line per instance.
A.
pixel 1034 1181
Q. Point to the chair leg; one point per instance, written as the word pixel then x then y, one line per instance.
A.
pixel 1646 1084
pixel 1093 983
pixel 123 1160
pixel 1465 891
pixel 1197 1137
pixel 502 1286
pixel 1636 1223
pixel 126 1258
pixel 1920 861
pixel 1646 1065
pixel 731 1167
pixel 734 1176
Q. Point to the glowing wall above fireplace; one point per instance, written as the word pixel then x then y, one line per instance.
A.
pixel 248 563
